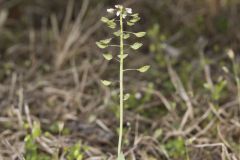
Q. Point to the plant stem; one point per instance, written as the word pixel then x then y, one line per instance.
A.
pixel 121 85
pixel 130 70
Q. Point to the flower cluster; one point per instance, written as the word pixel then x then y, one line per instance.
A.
pixel 118 9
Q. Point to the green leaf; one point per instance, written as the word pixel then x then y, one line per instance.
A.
pixel 105 20
pixel 36 131
pixel 126 36
pixel 106 41
pixel 111 24
pixel 121 157
pixel 130 23
pixel 135 15
pixel 135 19
pixel 207 86
pixel 123 56
pixel 218 89
pixel 60 126
pixel 108 56
pixel 106 83
pixel 126 96
pixel 136 45
pixel 101 45
pixel 118 33
pixel 80 157
pixel 140 34
pixel 27 138
pixel 144 69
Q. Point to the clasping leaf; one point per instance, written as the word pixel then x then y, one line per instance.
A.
pixel 123 56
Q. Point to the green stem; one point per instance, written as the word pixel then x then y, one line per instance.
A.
pixel 129 70
pixel 121 86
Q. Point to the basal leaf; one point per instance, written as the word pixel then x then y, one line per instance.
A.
pixel 121 157
pixel 136 45
pixel 144 69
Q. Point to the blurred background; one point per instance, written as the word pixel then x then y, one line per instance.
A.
pixel 54 107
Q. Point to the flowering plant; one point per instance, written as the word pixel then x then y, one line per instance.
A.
pixel 124 16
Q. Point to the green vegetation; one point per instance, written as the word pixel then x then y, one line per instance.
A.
pixel 31 146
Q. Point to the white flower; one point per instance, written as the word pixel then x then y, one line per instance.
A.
pixel 119 9
pixel 110 10
pixel 129 10
pixel 117 6
pixel 118 13
pixel 138 95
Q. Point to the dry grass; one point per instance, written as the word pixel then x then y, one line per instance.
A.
pixel 50 72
